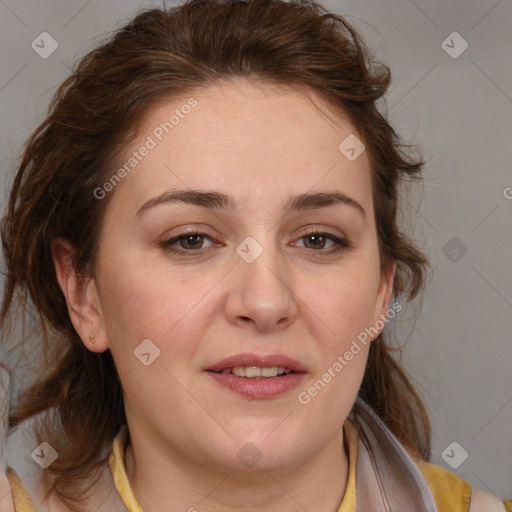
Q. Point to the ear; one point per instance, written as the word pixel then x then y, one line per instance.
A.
pixel 82 298
pixel 384 294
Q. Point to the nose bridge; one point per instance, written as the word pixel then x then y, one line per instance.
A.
pixel 263 265
pixel 263 289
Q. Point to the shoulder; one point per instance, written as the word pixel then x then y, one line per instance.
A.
pixel 29 480
pixel 453 494
pixel 450 492
pixel 22 500
pixel 482 501
pixel 26 501
pixel 20 496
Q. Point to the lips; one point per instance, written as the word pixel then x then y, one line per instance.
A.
pixel 245 360
pixel 258 376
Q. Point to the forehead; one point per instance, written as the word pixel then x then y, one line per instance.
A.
pixel 247 137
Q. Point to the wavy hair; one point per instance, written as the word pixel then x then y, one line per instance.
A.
pixel 160 54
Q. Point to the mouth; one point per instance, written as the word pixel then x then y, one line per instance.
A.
pixel 258 376
pixel 256 372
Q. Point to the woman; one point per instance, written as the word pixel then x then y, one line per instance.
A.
pixel 206 226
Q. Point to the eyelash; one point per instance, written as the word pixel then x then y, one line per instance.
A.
pixel 168 245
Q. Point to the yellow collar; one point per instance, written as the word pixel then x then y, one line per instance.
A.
pixel 116 463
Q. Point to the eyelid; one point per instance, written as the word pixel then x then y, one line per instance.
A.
pixel 321 230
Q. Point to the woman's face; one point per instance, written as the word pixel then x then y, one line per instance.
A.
pixel 191 320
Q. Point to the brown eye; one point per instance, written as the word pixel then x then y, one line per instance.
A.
pixel 193 241
pixel 317 241
pixel 187 244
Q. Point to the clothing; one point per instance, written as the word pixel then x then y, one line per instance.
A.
pixel 452 493
pixel 382 476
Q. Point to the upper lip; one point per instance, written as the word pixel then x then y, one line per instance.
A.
pixel 266 361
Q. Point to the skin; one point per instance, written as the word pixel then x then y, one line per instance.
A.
pixel 261 144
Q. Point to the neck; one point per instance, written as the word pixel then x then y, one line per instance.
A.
pixel 160 482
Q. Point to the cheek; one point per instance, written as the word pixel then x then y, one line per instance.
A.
pixel 146 294
pixel 141 302
pixel 348 305
pixel 154 323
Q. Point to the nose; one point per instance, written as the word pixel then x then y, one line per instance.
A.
pixel 261 293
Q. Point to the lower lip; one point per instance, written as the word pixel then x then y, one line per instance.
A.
pixel 258 388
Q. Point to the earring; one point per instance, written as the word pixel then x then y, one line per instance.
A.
pixel 92 339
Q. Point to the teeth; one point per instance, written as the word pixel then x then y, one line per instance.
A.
pixel 255 372
pixel 267 372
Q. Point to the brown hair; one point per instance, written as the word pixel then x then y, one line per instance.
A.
pixel 161 54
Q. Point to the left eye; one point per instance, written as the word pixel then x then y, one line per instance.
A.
pixel 319 240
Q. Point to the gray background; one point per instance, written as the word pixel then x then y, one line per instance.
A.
pixel 459 110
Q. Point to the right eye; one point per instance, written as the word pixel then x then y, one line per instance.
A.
pixel 187 244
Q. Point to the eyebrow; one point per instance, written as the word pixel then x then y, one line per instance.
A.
pixel 218 200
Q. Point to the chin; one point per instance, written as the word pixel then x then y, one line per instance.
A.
pixel 265 451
